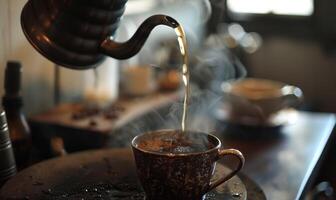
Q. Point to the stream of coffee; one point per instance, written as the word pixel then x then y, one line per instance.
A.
pixel 181 38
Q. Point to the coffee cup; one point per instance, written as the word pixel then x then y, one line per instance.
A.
pixel 255 101
pixel 172 164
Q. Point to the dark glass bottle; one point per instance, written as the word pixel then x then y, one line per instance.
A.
pixel 17 124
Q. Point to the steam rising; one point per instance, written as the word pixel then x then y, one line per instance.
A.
pixel 208 69
pixel 201 104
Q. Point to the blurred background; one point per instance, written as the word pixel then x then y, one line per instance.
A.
pixel 290 41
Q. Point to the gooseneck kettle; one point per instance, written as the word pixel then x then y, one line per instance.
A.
pixel 78 33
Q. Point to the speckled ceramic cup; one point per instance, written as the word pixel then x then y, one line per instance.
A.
pixel 172 165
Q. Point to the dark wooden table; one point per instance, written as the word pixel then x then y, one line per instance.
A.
pixel 282 160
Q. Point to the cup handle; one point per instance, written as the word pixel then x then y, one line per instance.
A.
pixel 221 154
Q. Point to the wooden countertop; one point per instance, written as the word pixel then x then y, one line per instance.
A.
pixel 131 108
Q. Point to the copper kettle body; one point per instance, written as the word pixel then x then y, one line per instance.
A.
pixel 78 33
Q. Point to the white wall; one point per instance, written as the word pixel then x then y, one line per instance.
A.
pixel 38 72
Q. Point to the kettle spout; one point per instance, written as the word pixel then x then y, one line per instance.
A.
pixel 134 44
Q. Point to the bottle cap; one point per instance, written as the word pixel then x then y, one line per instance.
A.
pixel 13 77
pixel 12 102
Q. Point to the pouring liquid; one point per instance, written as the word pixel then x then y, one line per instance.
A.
pixel 181 38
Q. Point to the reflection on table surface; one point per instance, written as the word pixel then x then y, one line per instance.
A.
pixel 282 159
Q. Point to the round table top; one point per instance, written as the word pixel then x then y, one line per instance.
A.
pixel 104 174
